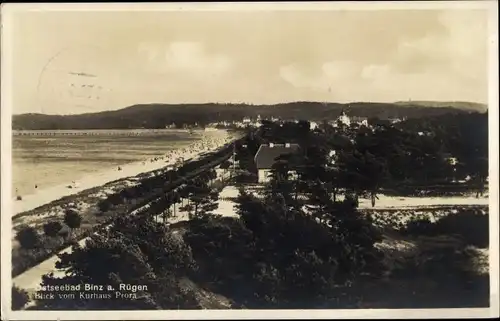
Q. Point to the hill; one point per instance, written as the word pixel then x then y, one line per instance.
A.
pixel 464 105
pixel 158 115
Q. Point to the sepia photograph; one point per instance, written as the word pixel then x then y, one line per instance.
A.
pixel 312 160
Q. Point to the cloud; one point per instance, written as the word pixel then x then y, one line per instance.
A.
pixel 188 59
pixel 260 57
pixel 294 76
pixel 374 72
pixel 441 65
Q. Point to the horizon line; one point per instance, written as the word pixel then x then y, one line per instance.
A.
pixel 266 104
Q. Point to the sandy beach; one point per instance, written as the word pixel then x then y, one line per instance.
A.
pixel 209 141
pixel 30 279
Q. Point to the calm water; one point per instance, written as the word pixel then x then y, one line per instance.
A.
pixel 50 160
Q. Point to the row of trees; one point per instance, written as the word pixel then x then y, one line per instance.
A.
pixel 166 181
pixel 196 196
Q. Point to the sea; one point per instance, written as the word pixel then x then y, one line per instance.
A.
pixel 49 158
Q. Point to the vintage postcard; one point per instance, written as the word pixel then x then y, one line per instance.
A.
pixel 266 160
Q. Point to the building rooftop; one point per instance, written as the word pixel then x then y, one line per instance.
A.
pixel 268 153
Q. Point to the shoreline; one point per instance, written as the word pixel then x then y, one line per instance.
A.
pixel 30 279
pixel 100 178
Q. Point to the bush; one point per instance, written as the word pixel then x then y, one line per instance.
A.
pixel 115 199
pixel 19 298
pixel 28 237
pixel 104 205
pixel 52 228
pixel 72 219
pixel 469 224
pixel 421 226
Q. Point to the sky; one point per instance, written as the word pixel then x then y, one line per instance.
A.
pixel 66 62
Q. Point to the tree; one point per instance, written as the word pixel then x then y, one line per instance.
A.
pixel 72 218
pixel 174 198
pixel 203 198
pixel 280 186
pixel 319 199
pixel 52 228
pixel 209 175
pixel 363 173
pixel 19 298
pixel 28 237
pixel 160 207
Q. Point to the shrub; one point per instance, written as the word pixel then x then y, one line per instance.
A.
pixel 115 199
pixel 52 228
pixel 19 298
pixel 469 224
pixel 28 237
pixel 72 219
pixel 421 226
pixel 104 205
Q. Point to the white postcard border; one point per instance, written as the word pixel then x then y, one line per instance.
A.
pixel 6 175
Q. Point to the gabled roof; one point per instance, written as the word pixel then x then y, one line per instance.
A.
pixel 266 155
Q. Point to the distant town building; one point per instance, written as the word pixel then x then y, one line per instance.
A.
pixel 363 121
pixel 342 119
pixel 266 157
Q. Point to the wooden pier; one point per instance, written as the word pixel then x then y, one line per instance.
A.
pixel 96 132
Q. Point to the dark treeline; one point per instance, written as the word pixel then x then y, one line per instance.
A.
pixel 430 152
pixel 159 115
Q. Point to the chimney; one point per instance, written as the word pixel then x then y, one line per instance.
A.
pixel 271 145
pixel 287 145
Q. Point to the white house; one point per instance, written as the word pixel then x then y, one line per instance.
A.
pixel 267 155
